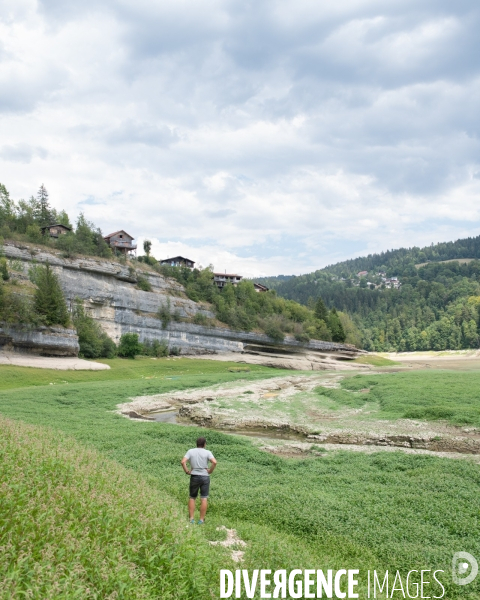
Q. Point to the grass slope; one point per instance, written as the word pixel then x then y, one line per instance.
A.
pixel 361 511
pixel 75 525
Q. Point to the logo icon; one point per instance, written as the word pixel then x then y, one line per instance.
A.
pixel 464 568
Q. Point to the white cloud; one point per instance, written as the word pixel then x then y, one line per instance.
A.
pixel 265 138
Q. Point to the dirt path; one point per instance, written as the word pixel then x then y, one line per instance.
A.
pixel 290 408
pixel 51 362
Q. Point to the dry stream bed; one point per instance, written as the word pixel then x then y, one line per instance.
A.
pixel 288 417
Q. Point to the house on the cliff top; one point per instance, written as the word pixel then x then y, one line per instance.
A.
pixel 121 242
pixel 221 279
pixel 55 230
pixel 178 261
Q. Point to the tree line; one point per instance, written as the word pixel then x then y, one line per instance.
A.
pixel 24 220
pixel 436 308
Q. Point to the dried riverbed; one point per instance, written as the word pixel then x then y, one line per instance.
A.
pixel 292 418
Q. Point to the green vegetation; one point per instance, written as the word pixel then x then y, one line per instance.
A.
pixel 436 307
pixel 241 307
pixel 424 395
pixel 93 341
pixel 24 219
pixel 375 361
pixel 129 346
pixel 383 510
pixel 185 371
pixel 75 525
pixel 49 300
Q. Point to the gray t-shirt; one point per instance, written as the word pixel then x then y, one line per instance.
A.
pixel 199 458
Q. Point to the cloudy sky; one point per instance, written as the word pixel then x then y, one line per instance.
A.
pixel 263 136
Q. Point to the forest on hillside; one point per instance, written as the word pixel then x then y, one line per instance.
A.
pixel 437 306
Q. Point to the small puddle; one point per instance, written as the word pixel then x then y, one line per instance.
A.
pixel 166 416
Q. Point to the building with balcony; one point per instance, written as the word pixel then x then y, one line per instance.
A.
pixel 121 242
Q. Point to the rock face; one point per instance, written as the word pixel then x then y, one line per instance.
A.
pixel 47 341
pixel 109 293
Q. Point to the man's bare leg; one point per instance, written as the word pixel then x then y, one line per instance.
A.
pixel 191 507
pixel 203 508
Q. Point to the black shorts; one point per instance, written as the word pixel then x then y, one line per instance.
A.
pixel 199 482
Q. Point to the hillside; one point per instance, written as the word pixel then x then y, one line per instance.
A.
pixel 430 306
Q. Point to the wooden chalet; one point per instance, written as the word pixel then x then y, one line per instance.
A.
pixel 121 241
pixel 178 261
pixel 221 279
pixel 55 230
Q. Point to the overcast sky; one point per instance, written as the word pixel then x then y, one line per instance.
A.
pixel 264 137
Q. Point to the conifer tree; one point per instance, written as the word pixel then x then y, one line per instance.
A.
pixel 321 311
pixel 49 300
pixel 336 327
pixel 43 210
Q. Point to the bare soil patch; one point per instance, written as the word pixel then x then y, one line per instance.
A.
pixel 51 362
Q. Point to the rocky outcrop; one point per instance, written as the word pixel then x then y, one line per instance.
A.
pixel 46 341
pixel 109 293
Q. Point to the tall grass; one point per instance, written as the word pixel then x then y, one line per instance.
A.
pixel 76 525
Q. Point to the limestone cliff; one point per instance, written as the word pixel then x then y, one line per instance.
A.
pixel 109 292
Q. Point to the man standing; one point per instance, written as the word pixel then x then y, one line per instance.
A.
pixel 199 477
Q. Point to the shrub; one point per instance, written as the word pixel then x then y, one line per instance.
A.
pixel 200 319
pixel 174 351
pixel 302 337
pixel 273 331
pixel 164 314
pixel 94 343
pixel 157 348
pixel 5 275
pixel 129 346
pixel 49 300
pixel 15 308
pixel 144 284
pixel 34 233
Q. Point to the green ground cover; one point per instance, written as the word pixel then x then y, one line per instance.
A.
pixel 76 525
pixel 429 395
pixel 375 361
pixel 122 369
pixel 386 510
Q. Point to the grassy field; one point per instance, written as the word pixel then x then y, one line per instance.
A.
pixel 427 395
pixel 121 370
pixel 343 510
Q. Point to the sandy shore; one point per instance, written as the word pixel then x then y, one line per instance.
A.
pixel 51 362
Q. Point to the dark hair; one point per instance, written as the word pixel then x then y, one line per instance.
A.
pixel 201 442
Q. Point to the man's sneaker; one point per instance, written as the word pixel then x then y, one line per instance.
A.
pixel 192 521
pixel 200 522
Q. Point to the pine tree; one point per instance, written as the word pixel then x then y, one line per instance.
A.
pixel 336 327
pixel 49 299
pixel 43 210
pixel 321 311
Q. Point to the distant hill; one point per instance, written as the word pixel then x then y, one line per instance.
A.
pixel 436 305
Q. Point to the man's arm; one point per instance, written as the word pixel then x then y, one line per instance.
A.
pixel 214 464
pixel 184 465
